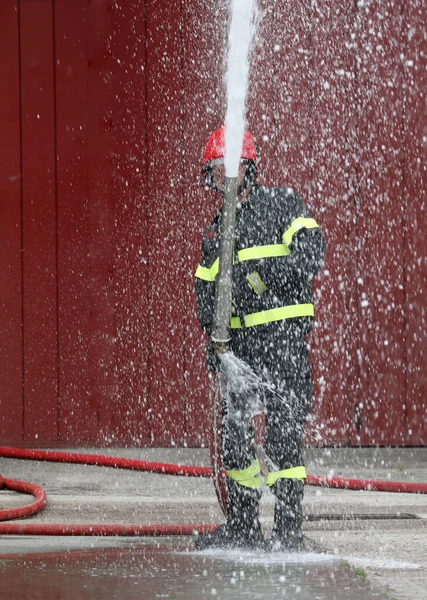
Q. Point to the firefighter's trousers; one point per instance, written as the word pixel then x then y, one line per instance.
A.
pixel 286 409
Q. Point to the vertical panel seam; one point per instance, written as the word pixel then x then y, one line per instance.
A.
pixel 147 228
pixel 184 278
pixel 275 87
pixel 311 105
pixel 21 164
pixel 352 189
pixel 55 149
pixel 357 202
pixel 404 220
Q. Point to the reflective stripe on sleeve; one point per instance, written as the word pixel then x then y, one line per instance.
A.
pixel 299 223
pixel 208 274
pixel 278 314
pixel 258 252
pixel 294 473
pixel 248 477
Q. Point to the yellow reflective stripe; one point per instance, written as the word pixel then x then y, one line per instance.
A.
pixel 203 273
pixel 269 251
pixel 256 283
pixel 251 477
pixel 299 223
pixel 248 473
pixel 278 314
pixel 247 477
pixel 294 473
pixel 263 252
pixel 235 323
pixel 255 483
pixel 208 274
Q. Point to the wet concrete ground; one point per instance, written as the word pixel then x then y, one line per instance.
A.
pixel 389 550
pixel 152 571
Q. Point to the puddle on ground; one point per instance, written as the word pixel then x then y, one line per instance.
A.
pixel 155 571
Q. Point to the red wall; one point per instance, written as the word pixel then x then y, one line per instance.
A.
pixel 105 110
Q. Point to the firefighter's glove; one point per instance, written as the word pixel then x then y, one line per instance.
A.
pixel 213 361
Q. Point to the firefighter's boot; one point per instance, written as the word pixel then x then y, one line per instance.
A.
pixel 242 528
pixel 288 516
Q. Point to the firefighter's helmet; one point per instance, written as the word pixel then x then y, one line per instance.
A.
pixel 214 153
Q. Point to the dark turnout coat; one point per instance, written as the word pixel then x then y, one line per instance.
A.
pixel 278 250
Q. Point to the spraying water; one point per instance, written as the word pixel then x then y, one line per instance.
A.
pixel 242 381
pixel 242 28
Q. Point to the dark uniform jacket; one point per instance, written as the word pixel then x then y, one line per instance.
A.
pixel 277 251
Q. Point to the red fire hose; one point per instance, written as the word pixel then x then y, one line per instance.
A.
pixel 25 488
pixel 152 467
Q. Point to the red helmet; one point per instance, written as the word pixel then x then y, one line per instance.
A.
pixel 215 149
pixel 215 146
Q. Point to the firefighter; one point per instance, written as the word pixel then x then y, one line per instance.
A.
pixel 278 249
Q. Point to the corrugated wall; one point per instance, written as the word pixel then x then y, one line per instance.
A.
pixel 105 111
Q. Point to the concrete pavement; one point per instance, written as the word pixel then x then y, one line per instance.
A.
pixel 382 535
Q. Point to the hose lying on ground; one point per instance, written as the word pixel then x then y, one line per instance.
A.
pixel 151 467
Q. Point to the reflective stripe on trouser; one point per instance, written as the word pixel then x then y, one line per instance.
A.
pixel 252 478
pixel 294 473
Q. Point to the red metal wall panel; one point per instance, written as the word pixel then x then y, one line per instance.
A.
pixel 332 199
pixel 129 420
pixel 415 188
pixel 78 416
pixel 264 89
pixel 11 376
pixel 137 88
pixel 292 98
pixel 379 224
pixel 166 219
pixel 39 221
pixel 101 252
pixel 86 253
